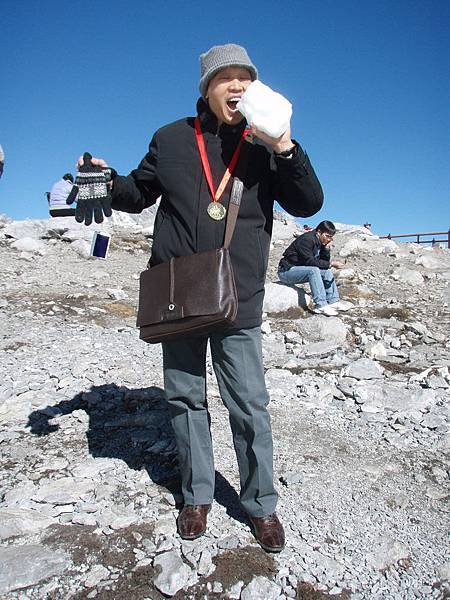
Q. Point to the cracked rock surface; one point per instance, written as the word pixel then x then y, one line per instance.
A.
pixel 360 416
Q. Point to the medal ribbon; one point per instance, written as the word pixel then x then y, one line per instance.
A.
pixel 205 162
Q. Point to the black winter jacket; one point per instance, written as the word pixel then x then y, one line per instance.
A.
pixel 172 169
pixel 306 251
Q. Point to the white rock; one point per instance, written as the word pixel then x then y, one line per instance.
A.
pixel 331 567
pixel 205 565
pixel 387 553
pixel 418 328
pixel 31 245
pixel 436 493
pixel 174 573
pixel 407 276
pixel 145 219
pixel 395 398
pixel 234 593
pixel 359 230
pixel 24 229
pixel 364 391
pixel 285 231
pixel 66 490
pixel 363 368
pixel 345 274
pixel 318 329
pixel 356 246
pixel 164 527
pixel 260 587
pixel 95 575
pixel 81 247
pixel 438 263
pixel 22 566
pixel 279 297
pixel 432 421
pixel 21 521
pixel 266 328
pixel 317 349
pixel 116 294
pixel 80 232
pixel 376 350
pixel 274 348
pixel 282 379
pixel 92 468
pixel 443 571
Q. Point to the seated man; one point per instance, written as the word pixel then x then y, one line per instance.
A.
pixel 58 196
pixel 308 259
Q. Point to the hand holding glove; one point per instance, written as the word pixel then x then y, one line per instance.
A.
pixel 94 195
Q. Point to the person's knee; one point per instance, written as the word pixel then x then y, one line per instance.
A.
pixel 327 275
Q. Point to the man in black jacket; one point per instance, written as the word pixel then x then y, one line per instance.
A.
pixel 277 169
pixel 308 259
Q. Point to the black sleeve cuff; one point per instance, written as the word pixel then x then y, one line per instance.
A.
pixel 299 161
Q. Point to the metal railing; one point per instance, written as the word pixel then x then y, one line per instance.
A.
pixel 421 235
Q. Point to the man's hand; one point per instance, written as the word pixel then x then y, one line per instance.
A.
pixel 109 172
pixel 97 162
pixel 337 264
pixel 280 144
pixel 94 196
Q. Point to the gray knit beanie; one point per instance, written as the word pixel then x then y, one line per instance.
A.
pixel 220 57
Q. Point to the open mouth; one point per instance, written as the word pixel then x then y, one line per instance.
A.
pixel 232 104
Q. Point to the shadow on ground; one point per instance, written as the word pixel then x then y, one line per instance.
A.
pixel 132 425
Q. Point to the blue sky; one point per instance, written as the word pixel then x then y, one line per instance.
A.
pixel 368 80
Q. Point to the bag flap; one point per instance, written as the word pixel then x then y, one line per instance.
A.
pixel 201 283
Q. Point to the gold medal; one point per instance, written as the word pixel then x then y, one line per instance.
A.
pixel 216 211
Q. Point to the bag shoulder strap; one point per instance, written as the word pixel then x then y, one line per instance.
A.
pixel 235 197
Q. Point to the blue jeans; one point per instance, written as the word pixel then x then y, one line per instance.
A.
pixel 321 281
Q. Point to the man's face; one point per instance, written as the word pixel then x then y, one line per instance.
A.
pixel 325 238
pixel 224 92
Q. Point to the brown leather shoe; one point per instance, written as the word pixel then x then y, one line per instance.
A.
pixel 192 521
pixel 269 532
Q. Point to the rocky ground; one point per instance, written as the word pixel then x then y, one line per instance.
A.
pixel 359 405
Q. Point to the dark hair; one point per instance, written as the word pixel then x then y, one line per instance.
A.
pixel 326 227
pixel 68 177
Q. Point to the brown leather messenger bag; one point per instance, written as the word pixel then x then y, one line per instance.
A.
pixel 191 295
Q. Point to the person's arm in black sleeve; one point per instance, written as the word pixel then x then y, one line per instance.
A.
pixel 296 187
pixel 304 245
pixel 140 189
pixel 325 253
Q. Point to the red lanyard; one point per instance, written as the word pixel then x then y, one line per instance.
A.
pixel 205 162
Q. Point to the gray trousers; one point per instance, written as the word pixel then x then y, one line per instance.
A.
pixel 237 361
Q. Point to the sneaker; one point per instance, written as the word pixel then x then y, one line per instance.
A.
pixel 342 305
pixel 326 310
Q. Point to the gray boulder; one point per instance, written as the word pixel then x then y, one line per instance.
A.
pixel 318 328
pixel 363 368
pixel 279 298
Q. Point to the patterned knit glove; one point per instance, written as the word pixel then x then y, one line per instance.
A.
pixel 94 196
